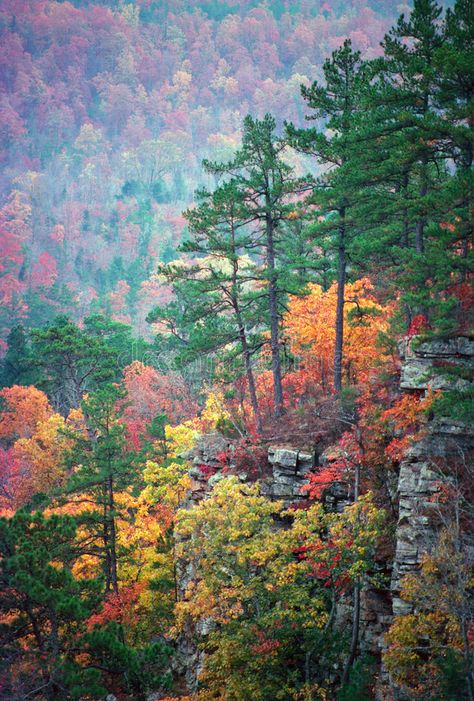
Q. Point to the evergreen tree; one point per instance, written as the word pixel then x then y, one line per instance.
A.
pixel 268 186
pixel 223 308
pixel 336 103
pixel 17 365
pixel 413 145
pixel 74 360
pixel 454 64
pixel 71 361
pixel 47 650
pixel 409 51
pixel 100 467
pixel 43 607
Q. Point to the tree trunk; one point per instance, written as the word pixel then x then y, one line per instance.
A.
pixel 249 373
pixel 105 540
pixel 406 225
pixel 243 338
pixel 356 601
pixel 341 286
pixel 278 408
pixel 420 224
pixel 112 535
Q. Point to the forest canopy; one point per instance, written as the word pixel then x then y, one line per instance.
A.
pixel 236 350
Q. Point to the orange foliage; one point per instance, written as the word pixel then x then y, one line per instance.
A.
pixel 40 457
pixel 23 409
pixel 11 479
pixel 33 463
pixel 310 325
pixel 406 417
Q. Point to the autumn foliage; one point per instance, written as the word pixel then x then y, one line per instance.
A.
pixel 191 280
pixel 310 324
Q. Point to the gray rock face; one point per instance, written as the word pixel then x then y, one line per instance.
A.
pixel 290 470
pixel 436 365
pixel 460 346
pixel 428 364
pixel 337 497
pixel 207 449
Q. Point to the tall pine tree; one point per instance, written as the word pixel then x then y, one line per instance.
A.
pixel 221 309
pixel 269 187
pixel 335 104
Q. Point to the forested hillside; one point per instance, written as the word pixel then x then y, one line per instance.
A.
pixel 237 357
pixel 107 111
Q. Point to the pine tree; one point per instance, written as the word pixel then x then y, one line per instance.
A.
pixel 74 361
pixel 47 649
pixel 101 467
pixel 409 142
pixel 454 64
pixel 71 362
pixel 409 50
pixel 43 608
pixel 17 365
pixel 268 186
pixel 420 120
pixel 216 292
pixel 336 103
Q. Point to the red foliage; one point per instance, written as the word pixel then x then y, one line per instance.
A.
pixel 266 646
pixel 44 272
pixel 244 457
pixel 419 324
pixel 326 561
pixel 150 393
pixel 206 471
pixel 341 460
pixel 321 480
pixel 120 608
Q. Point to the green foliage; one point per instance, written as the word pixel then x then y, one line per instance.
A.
pixel 75 360
pixel 454 404
pixel 17 366
pixel 72 361
pixel 454 676
pixel 44 608
pixel 100 467
pixel 139 670
pixel 359 686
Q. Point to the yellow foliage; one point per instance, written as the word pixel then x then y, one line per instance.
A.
pixel 181 438
pixel 166 484
pixel 41 455
pixel 214 411
pixel 417 641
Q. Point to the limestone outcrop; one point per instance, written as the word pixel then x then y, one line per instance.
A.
pixel 436 365
pixel 289 473
pixel 431 363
